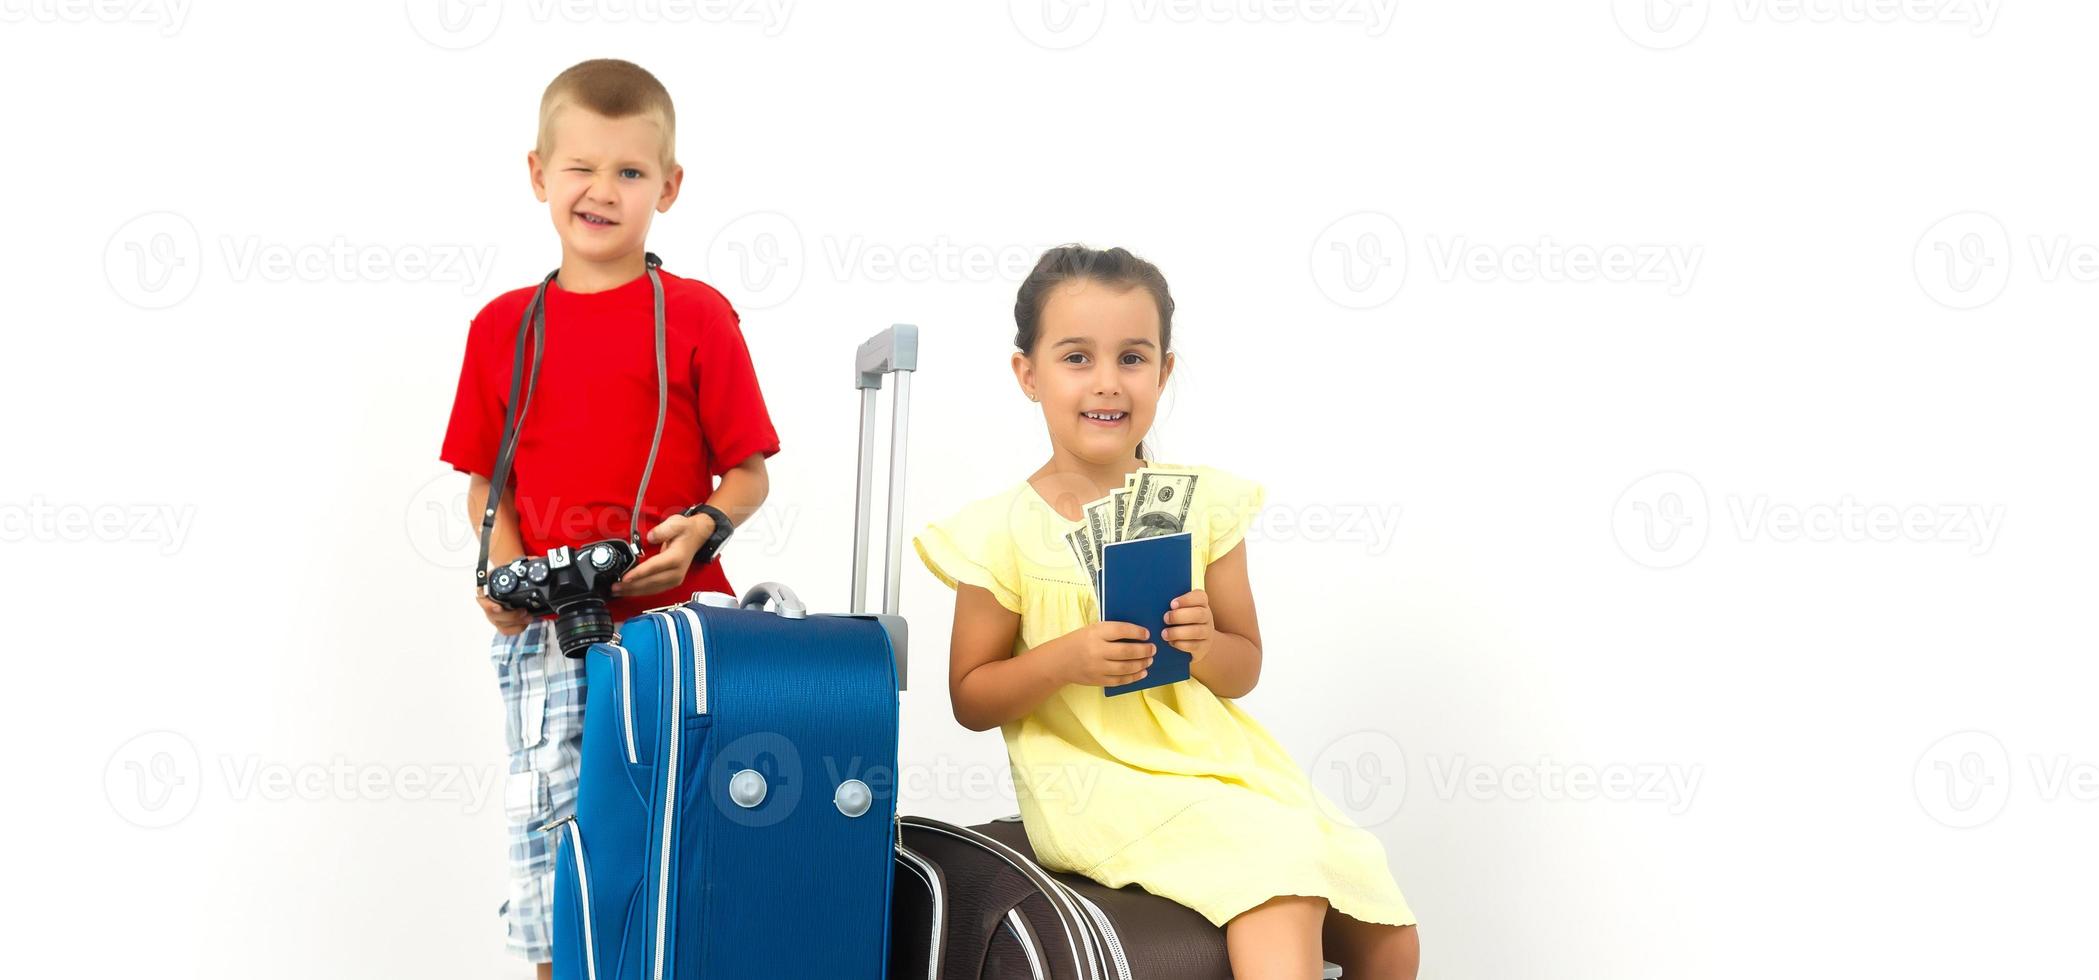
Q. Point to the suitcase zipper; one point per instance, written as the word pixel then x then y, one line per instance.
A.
pixel 918 865
pixel 626 690
pixel 1024 936
pixel 699 661
pixel 670 796
pixel 1074 923
pixel 1107 930
pixel 575 839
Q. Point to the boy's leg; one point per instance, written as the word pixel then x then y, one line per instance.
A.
pixel 543 695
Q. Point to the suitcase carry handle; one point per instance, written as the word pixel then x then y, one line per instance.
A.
pixel 782 598
pixel 893 351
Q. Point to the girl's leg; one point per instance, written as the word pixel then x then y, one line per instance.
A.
pixel 1370 950
pixel 1277 939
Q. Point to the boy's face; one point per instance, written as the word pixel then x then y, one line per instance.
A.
pixel 603 180
pixel 1096 368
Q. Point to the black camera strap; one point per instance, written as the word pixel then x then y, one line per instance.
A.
pixel 533 325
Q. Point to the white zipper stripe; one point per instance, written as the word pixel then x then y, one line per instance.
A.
pixel 1069 918
pixel 590 945
pixel 1018 927
pixel 918 865
pixel 626 688
pixel 699 661
pixel 1107 930
pixel 670 794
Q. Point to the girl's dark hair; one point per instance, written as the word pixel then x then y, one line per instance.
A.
pixel 1114 267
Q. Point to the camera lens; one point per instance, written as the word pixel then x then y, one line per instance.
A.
pixel 581 624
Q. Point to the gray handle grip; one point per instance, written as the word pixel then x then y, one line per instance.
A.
pixel 782 598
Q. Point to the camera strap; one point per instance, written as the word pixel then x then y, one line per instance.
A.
pixel 533 325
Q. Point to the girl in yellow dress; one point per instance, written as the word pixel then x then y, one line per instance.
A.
pixel 1173 788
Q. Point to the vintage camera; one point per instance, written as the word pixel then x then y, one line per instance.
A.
pixel 572 585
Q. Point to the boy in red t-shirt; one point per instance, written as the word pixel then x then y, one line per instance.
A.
pixel 604 164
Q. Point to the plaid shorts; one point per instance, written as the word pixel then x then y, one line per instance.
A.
pixel 543 702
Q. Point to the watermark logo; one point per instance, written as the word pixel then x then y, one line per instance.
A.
pixel 1063 24
pixel 1057 24
pixel 1360 261
pixel 1660 521
pixel 1673 785
pixel 1965 260
pixel 455 24
pixel 1964 779
pixel 165 17
pixel 1660 24
pixel 1360 778
pixel 157 779
pixel 154 780
pixel 1967 779
pixel 1673 267
pixel 441 531
pixel 40 521
pixel 761 254
pixel 154 260
pixel 1663 25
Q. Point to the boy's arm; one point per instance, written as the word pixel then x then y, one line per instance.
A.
pixel 742 490
pixel 506 541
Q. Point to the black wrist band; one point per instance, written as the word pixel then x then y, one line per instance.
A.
pixel 723 527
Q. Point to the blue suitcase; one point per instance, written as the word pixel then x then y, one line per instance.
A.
pixel 736 813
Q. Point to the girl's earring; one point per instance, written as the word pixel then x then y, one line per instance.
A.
pixel 1033 397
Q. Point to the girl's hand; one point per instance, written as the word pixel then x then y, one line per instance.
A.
pixel 509 622
pixel 1190 626
pixel 681 538
pixel 1101 655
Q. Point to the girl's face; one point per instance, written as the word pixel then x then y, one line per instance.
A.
pixel 1096 368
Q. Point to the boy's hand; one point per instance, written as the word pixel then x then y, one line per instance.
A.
pixel 1189 625
pixel 681 538
pixel 509 622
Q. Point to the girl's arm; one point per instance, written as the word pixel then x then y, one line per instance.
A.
pixel 990 685
pixel 1231 665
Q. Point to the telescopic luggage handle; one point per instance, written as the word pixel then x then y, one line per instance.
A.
pixel 893 351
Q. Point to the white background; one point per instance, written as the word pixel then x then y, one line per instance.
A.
pixel 1866 387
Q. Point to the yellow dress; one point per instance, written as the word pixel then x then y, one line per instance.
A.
pixel 1172 788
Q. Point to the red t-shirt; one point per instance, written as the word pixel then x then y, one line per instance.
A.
pixel 593 410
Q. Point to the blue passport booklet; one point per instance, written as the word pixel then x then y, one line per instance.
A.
pixel 1140 578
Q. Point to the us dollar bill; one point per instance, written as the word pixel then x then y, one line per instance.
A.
pixel 1120 517
pixel 1100 531
pixel 1082 553
pixel 1160 503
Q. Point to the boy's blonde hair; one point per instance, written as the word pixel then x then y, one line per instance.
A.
pixel 614 89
